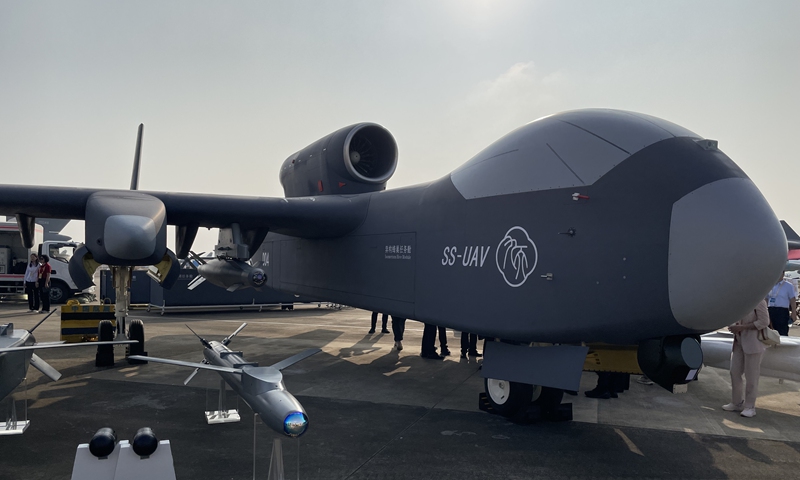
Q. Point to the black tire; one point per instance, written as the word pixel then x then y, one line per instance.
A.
pixel 105 332
pixel 136 332
pixel 105 353
pixel 547 398
pixel 59 292
pixel 507 398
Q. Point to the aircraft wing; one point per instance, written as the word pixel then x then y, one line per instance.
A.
pixel 63 345
pixel 296 358
pixel 307 217
pixel 180 363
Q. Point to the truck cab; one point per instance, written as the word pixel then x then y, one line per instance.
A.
pixel 61 285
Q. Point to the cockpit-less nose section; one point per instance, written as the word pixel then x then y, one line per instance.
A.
pixel 581 229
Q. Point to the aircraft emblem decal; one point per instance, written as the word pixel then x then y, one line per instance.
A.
pixel 514 256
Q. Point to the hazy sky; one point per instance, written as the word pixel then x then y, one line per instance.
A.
pixel 228 90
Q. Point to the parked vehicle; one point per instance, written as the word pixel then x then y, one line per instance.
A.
pixel 14 258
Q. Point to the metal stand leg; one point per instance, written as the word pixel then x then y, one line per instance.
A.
pixel 13 425
pixel 255 428
pixel 276 461
pixel 222 414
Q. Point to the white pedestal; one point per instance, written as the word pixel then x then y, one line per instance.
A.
pixel 124 464
pixel 223 416
pixel 157 466
pixel 14 427
pixel 89 467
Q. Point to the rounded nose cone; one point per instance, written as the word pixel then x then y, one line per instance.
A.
pixel 130 237
pixel 295 424
pixel 726 250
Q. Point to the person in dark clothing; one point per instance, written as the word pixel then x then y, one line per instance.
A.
pixel 44 282
pixel 469 345
pixel 429 343
pixel 384 319
pixel 443 341
pixel 609 384
pixel 398 328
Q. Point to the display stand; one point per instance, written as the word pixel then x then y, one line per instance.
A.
pixel 13 425
pixel 276 461
pixel 222 414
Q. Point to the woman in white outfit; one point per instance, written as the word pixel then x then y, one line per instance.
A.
pixel 31 288
pixel 746 359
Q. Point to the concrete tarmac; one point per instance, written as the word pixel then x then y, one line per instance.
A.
pixel 379 413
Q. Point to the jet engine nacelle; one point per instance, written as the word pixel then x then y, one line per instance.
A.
pixel 232 274
pixel 356 159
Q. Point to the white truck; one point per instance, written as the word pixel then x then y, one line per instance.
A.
pixel 14 258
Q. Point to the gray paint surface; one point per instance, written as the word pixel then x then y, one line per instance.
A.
pixel 524 365
pixel 703 264
pixel 601 273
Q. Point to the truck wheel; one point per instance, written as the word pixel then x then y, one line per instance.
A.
pixel 136 332
pixel 59 292
pixel 507 398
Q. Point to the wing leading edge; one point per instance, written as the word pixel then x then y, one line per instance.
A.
pixel 305 217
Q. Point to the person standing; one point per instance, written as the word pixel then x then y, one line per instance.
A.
pixel 746 358
pixel 429 343
pixel 44 282
pixel 469 345
pixel 384 320
pixel 782 305
pixel 398 328
pixel 31 279
pixel 443 341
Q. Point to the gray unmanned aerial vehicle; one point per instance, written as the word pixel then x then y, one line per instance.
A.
pixel 588 227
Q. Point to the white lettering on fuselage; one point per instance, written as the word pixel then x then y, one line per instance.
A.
pixel 397 252
pixel 472 256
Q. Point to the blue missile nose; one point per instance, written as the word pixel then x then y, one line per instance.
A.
pixel 295 424
pixel 726 250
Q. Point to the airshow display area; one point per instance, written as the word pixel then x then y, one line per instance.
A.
pixel 623 207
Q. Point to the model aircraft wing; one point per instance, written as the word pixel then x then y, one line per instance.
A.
pixel 41 346
pixel 45 368
pixel 180 363
pixel 296 358
pixel 307 217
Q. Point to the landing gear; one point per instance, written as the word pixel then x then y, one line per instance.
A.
pixel 136 332
pixel 522 401
pixel 507 398
pixel 105 353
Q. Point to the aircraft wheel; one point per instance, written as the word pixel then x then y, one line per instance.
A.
pixel 105 331
pixel 105 353
pixel 507 397
pixel 547 398
pixel 136 332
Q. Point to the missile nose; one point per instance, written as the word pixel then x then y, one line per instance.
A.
pixel 726 250
pixel 130 237
pixel 295 424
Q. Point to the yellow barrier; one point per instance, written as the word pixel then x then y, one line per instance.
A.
pixel 79 322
